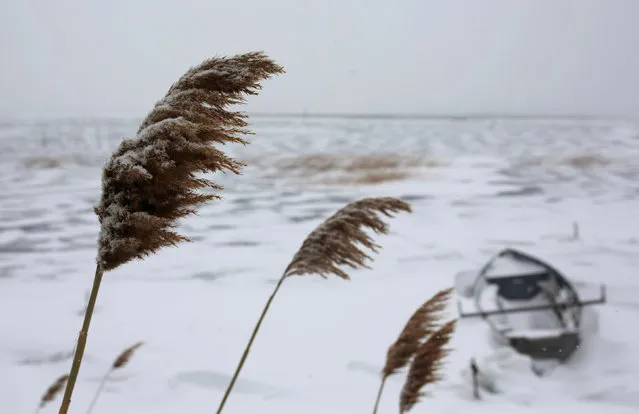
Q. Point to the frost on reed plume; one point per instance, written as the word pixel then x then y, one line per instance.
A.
pixel 421 324
pixel 150 180
pixel 335 243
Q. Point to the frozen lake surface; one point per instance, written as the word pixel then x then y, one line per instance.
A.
pixel 476 186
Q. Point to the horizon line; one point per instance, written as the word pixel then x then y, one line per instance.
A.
pixel 359 115
pixel 455 116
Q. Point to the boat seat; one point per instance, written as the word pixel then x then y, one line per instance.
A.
pixel 536 333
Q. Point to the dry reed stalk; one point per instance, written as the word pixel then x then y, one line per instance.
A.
pixel 423 322
pixel 367 178
pixel 53 390
pixel 333 244
pixel 309 165
pixel 575 230
pixel 150 181
pixel 474 370
pixel 120 362
pixel 350 169
pixel 426 366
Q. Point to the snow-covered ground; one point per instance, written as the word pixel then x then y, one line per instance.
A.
pixel 495 184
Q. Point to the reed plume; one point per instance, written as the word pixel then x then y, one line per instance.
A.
pixel 426 366
pixel 120 362
pixel 422 323
pixel 150 181
pixel 335 243
pixel 53 390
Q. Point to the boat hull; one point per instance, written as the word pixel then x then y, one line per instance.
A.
pixel 528 305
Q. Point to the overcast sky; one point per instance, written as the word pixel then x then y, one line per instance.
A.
pixel 117 57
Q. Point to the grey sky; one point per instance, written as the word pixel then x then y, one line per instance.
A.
pixel 117 57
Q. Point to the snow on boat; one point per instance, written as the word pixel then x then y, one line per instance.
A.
pixel 528 304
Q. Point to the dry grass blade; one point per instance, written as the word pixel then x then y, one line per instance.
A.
pixel 335 242
pixel 426 366
pixel 150 181
pixel 53 390
pixel 332 244
pixel 120 362
pixel 423 322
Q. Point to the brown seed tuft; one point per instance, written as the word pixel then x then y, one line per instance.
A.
pixel 426 366
pixel 126 355
pixel 334 242
pixel 54 390
pixel 421 324
pixel 150 181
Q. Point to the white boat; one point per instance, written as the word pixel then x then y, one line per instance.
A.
pixel 528 304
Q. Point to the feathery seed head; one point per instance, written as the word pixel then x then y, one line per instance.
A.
pixel 126 355
pixel 426 366
pixel 422 323
pixel 335 242
pixel 53 390
pixel 150 181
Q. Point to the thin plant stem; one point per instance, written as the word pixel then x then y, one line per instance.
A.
pixel 229 388
pixel 379 394
pixel 82 341
pixel 99 391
